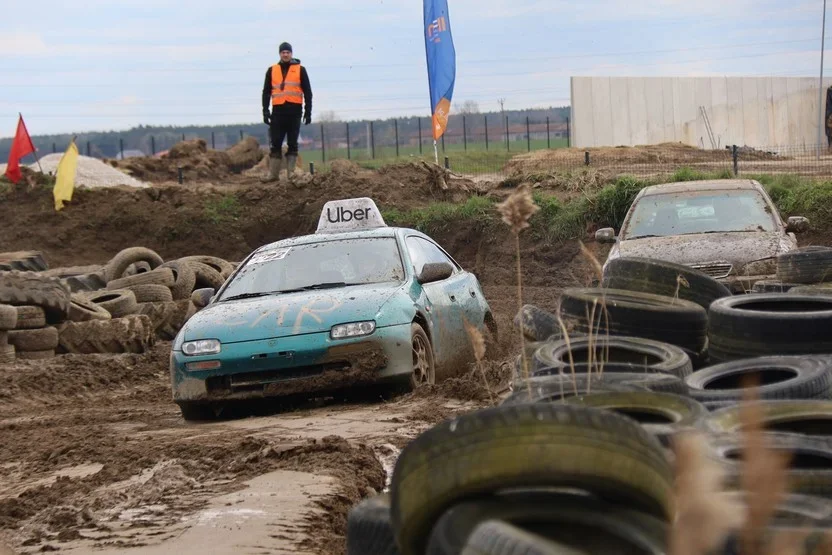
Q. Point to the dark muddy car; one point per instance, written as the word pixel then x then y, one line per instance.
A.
pixel 728 229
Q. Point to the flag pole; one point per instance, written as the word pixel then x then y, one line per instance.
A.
pixel 34 150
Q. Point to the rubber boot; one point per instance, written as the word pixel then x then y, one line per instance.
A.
pixel 291 163
pixel 274 170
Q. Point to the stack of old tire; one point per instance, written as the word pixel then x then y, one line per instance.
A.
pixel 577 460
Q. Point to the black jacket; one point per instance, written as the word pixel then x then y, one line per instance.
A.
pixel 288 106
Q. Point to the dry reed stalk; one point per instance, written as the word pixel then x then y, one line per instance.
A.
pixel 516 211
pixel 478 342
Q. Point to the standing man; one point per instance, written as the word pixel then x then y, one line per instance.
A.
pixel 286 89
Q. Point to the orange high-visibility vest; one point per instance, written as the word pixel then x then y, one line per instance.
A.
pixel 292 91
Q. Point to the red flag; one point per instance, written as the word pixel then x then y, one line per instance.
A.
pixel 21 146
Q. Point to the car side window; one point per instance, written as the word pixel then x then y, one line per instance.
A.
pixel 423 252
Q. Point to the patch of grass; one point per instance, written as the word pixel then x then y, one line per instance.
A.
pixel 440 216
pixel 222 210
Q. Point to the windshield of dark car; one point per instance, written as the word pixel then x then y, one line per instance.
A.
pixel 668 214
pixel 326 263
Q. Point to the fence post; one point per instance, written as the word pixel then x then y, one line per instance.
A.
pixel 396 125
pixel 508 148
pixel 153 145
pixel 179 174
pixel 213 144
pixel 447 163
pixel 586 158
pixel 183 137
pixel 372 141
pixel 312 168
pixel 349 153
pixel 88 148
pixel 464 135
pixel 420 135
pixel 528 135
pixel 241 134
pixel 121 147
pixel 54 148
pixel 568 134
pixel 323 145
pixel 734 155
pixel 548 136
pixel 485 119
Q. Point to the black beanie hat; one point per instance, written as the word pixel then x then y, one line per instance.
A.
pixel 285 46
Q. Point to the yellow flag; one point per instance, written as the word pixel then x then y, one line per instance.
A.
pixel 65 179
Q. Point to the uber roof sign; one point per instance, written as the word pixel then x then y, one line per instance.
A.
pixel 352 214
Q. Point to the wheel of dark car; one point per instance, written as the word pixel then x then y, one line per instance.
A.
pixel 197 411
pixel 424 371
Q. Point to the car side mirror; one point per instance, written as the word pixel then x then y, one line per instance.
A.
pixel 797 224
pixel 201 297
pixel 605 235
pixel 435 271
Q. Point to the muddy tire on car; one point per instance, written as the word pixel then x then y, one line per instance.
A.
pixel 779 377
pixel 424 367
pixel 369 530
pixel 805 265
pixel 130 334
pixel 591 449
pixel 599 312
pixel 659 277
pixel 747 326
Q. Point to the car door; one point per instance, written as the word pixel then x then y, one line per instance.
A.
pixel 451 301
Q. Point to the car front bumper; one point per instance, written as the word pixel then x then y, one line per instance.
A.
pixel 293 365
pixel 744 284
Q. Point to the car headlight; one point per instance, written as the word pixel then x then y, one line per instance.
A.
pixel 355 329
pixel 202 347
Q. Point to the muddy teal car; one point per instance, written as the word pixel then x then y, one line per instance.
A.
pixel 356 303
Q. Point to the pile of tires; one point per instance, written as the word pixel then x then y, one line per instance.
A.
pixel 123 306
pixel 578 459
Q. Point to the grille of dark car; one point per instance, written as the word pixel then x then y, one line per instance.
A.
pixel 714 269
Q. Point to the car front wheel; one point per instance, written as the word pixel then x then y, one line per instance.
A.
pixel 197 412
pixel 424 371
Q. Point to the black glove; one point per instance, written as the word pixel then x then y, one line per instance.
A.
pixel 267 119
pixel 307 119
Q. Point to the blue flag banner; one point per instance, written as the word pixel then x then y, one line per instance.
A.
pixel 441 58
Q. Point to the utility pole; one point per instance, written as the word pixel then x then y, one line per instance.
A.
pixel 821 119
pixel 502 101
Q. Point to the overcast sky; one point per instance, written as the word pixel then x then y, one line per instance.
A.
pixel 108 65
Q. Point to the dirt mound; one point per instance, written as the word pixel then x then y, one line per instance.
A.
pixel 196 160
pixel 344 167
pixel 663 153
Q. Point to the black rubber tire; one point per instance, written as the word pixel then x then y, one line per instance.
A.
pixel 7 354
pixel 635 314
pixel 529 347
pixel 746 326
pixel 184 279
pixel 811 264
pixel 4 338
pixel 542 510
pixel 116 267
pixel 810 472
pixel 494 537
pixel 206 276
pixel 24 261
pixel 159 276
pixel 118 303
pixel 646 407
pixel 819 289
pixel 537 324
pixel 80 278
pixel 30 318
pixel 621 351
pixel 655 381
pixel 222 267
pixel 151 293
pixel 197 412
pixel 8 317
pixel 794 510
pixel 130 334
pixel 772 287
pixel 36 355
pixel 369 531
pixel 803 378
pixel 660 277
pixel 595 450
pixel 552 389
pixel 135 268
pixel 167 318
pixel 44 339
pixel 806 417
pixel 30 288
pixel 81 309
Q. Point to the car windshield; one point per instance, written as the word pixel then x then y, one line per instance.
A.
pixel 663 215
pixel 322 265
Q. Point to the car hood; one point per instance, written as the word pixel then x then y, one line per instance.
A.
pixel 288 314
pixel 735 248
